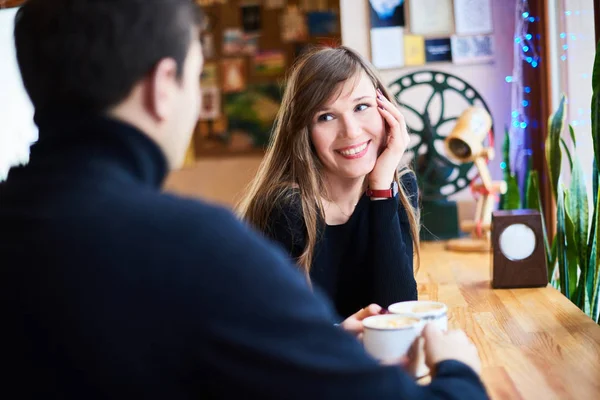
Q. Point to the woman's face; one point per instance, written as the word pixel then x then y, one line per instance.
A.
pixel 348 132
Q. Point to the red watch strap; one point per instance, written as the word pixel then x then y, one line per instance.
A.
pixel 384 193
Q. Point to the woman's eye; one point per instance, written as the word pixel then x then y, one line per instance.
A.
pixel 325 117
pixel 361 107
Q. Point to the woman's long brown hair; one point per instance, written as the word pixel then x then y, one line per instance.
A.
pixel 291 162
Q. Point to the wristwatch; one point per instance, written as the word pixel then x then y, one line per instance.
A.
pixel 384 193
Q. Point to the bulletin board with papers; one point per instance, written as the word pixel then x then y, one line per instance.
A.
pixel 419 32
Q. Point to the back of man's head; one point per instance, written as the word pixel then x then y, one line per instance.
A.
pixel 88 54
pixel 134 60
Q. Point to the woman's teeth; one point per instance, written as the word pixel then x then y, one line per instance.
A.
pixel 354 150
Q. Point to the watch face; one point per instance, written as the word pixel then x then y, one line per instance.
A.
pixel 517 242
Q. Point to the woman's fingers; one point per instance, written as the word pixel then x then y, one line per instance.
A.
pixel 396 140
pixel 389 106
pixel 396 123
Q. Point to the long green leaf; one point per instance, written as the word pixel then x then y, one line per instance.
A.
pixel 592 236
pixel 533 202
pixel 579 210
pixel 572 133
pixel 593 273
pixel 561 244
pixel 512 197
pixel 595 293
pixel 571 247
pixel 582 298
pixel 595 180
pixel 594 263
pixel 596 112
pixel 552 260
pixel 506 170
pixel 592 266
pixel 527 201
pixel 506 151
pixel 586 302
pixel 578 207
pixel 556 123
pixel 566 148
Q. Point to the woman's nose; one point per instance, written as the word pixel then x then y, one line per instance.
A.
pixel 351 128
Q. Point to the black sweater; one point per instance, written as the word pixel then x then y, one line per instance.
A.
pixel 369 259
pixel 111 289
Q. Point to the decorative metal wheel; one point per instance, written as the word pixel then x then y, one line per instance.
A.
pixel 431 102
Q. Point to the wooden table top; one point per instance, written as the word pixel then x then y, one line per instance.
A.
pixel 534 343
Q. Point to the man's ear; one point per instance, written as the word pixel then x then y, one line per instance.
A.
pixel 162 84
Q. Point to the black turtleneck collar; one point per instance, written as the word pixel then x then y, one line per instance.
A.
pixel 84 138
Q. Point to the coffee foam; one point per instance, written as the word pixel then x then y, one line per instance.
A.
pixel 391 322
pixel 426 307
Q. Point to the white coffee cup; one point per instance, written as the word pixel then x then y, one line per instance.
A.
pixel 388 337
pixel 428 312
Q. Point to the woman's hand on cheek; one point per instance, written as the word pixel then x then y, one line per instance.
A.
pixel 394 147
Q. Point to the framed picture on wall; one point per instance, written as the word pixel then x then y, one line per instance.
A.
pixel 293 25
pixel 472 49
pixel 211 103
pixel 249 119
pixel 253 44
pixel 233 75
pixel 386 13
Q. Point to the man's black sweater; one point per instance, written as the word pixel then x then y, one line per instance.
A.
pixel 112 289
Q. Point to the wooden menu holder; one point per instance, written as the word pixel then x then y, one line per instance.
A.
pixel 519 259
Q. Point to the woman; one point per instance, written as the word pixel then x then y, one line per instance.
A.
pixel 338 137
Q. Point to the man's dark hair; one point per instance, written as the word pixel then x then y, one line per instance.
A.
pixel 88 54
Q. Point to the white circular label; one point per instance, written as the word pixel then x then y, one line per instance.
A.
pixel 517 242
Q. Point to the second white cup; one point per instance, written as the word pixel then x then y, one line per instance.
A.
pixel 429 311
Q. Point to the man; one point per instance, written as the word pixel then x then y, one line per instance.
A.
pixel 111 289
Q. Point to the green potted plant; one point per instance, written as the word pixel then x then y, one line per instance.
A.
pixel 572 256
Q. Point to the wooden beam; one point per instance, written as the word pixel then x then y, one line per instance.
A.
pixel 597 20
pixel 11 3
pixel 539 109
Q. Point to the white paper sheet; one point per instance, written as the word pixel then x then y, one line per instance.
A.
pixel 387 47
pixel 431 17
pixel 473 17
